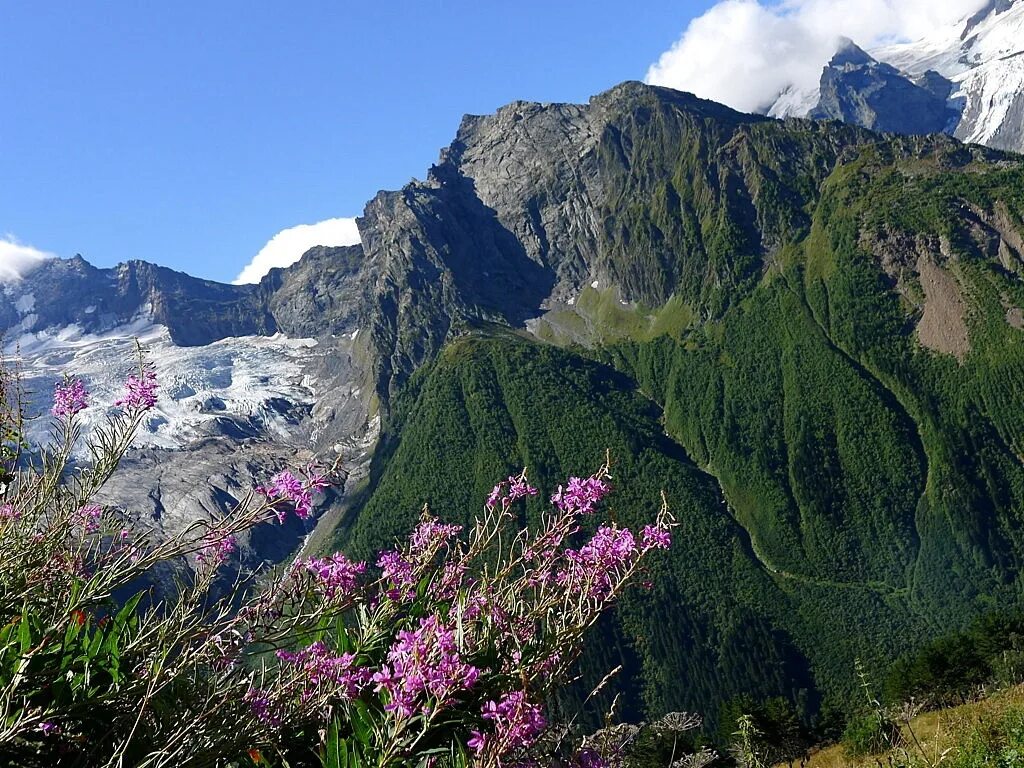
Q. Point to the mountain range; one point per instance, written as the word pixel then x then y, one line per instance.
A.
pixel 966 80
pixel 808 334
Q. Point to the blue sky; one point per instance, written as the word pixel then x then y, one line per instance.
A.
pixel 189 133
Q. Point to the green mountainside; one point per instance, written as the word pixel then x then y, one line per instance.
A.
pixel 809 336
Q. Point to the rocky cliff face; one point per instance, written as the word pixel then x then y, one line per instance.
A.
pixel 857 89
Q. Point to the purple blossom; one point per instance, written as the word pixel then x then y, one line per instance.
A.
pixel 216 550
pixel 655 537
pixel 581 496
pixel 589 758
pixel 8 512
pixel 321 668
pixel 399 572
pixel 517 722
pixel 432 534
pixel 599 563
pixel 518 487
pixel 495 496
pixel 424 669
pixel 69 398
pixel 336 575
pixel 285 486
pixel 89 517
pixel 140 391
pixel 261 705
pixel 49 729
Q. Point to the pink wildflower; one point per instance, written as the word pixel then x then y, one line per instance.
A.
pixel 518 487
pixel 581 496
pixel 321 668
pixel 655 537
pixel 69 398
pixel 89 517
pixel 140 391
pixel 517 722
pixel 424 669
pixel 8 512
pixel 336 575
pixel 215 550
pixel 285 486
pixel 432 534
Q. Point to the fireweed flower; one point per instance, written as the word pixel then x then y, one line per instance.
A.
pixel 261 705
pixel 518 487
pixel 599 563
pixel 320 668
pixel 336 575
pixel 655 537
pixel 431 534
pixel 140 391
pixel 216 551
pixel 517 723
pixel 581 496
pixel 424 664
pixel 69 398
pixel 89 516
pixel 285 486
pixel 399 572
pixel 8 512
pixel 49 729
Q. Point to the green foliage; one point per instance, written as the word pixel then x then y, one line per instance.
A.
pixel 951 668
pixel 869 734
pixel 995 743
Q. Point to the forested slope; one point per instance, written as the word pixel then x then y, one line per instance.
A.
pixel 812 342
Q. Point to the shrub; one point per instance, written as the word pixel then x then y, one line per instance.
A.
pixel 869 734
pixel 441 652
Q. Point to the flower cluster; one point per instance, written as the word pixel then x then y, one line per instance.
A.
pixel 337 577
pixel 140 391
pixel 518 488
pixel 398 573
pixel 581 495
pixel 431 534
pixel 424 670
pixel 286 487
pixel 455 640
pixel 655 537
pixel 516 723
pixel 69 398
pixel 217 549
pixel 89 516
pixel 595 567
pixel 319 668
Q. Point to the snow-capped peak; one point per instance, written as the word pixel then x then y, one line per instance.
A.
pixel 982 55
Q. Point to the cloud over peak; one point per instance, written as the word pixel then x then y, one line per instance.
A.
pixel 288 245
pixel 744 53
pixel 17 260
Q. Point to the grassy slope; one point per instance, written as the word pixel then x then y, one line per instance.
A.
pixel 974 734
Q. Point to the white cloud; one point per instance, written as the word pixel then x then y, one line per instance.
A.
pixel 288 245
pixel 17 260
pixel 744 53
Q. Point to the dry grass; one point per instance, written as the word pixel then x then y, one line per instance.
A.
pixel 936 733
